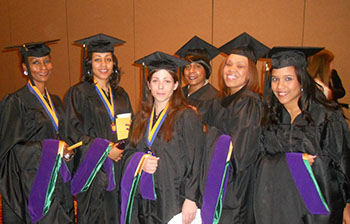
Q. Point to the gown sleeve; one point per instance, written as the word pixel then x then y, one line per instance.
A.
pixel 193 138
pixel 335 143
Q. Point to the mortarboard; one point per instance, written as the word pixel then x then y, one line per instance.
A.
pixel 100 43
pixel 291 56
pixel 247 46
pixel 32 49
pixel 159 60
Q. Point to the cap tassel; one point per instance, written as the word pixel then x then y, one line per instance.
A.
pixel 143 82
pixel 84 58
pixel 265 79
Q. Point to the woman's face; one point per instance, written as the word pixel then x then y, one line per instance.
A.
pixel 162 86
pixel 40 67
pixel 195 74
pixel 102 65
pixel 235 72
pixel 285 86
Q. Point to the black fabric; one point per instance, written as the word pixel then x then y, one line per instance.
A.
pixel 247 46
pixel 239 115
pixel 336 86
pixel 24 125
pixel 202 99
pixel 277 199
pixel 87 119
pixel 160 60
pixel 177 175
pixel 100 43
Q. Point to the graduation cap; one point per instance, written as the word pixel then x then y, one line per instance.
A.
pixel 247 46
pixel 100 43
pixel 199 51
pixel 32 49
pixel 291 56
pixel 158 60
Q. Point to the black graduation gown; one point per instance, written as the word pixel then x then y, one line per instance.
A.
pixel 237 115
pixel 202 99
pixel 277 199
pixel 87 119
pixel 24 125
pixel 177 175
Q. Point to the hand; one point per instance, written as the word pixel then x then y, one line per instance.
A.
pixel 311 159
pixel 346 215
pixel 67 155
pixel 150 164
pixel 115 154
pixel 189 210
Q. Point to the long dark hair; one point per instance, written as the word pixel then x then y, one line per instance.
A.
pixel 114 78
pixel 310 93
pixel 177 104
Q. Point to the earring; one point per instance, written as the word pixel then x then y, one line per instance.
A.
pixel 25 73
pixel 302 89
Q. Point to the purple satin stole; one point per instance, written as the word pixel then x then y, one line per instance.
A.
pixel 39 196
pixel 214 184
pixel 306 183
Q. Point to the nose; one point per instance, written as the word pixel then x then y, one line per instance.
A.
pixel 43 66
pixel 161 85
pixel 192 68
pixel 280 85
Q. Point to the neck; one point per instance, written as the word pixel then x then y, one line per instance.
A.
pixel 194 88
pixel 104 84
pixel 159 106
pixel 293 111
pixel 41 87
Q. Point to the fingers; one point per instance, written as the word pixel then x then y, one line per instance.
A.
pixel 150 165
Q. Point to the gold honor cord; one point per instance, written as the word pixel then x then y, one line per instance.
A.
pixel 152 131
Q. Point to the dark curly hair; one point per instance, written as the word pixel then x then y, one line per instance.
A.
pixel 114 79
pixel 311 93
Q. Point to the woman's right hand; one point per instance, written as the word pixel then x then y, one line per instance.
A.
pixel 150 164
pixel 115 154
pixel 310 158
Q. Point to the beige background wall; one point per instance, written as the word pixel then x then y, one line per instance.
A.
pixel 165 25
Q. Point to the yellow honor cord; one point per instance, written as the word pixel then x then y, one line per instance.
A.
pixel 151 130
pixel 229 152
pixel 110 105
pixel 48 107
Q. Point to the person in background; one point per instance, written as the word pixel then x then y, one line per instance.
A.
pixel 321 69
pixel 303 171
pixel 92 108
pixel 198 91
pixel 34 173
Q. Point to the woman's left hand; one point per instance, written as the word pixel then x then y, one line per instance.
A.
pixel 346 216
pixel 189 210
pixel 67 155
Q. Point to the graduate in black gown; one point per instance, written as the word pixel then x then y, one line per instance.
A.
pixel 238 115
pixel 91 110
pixel 172 133
pixel 31 184
pixel 303 172
pixel 198 91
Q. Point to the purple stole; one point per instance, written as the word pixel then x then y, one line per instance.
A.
pixel 96 156
pixel 215 188
pixel 132 176
pixel 306 183
pixel 44 183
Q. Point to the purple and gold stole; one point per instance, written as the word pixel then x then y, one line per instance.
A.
pixel 306 183
pixel 95 157
pixel 215 188
pixel 51 163
pixel 134 174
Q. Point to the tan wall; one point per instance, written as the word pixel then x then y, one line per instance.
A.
pixel 164 25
